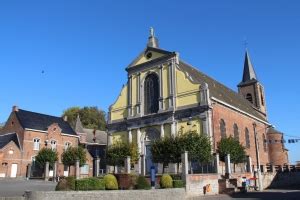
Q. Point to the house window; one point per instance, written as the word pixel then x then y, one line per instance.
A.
pixel 67 145
pixel 223 128
pixel 53 144
pixel 84 169
pixel 247 138
pixel 236 132
pixel 249 97
pixel 36 144
pixel 151 94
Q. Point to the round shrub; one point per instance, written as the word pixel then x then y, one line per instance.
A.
pixel 178 184
pixel 65 184
pixel 166 181
pixel 111 182
pixel 142 183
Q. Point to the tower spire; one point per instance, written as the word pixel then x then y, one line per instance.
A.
pixel 249 74
pixel 78 125
pixel 152 40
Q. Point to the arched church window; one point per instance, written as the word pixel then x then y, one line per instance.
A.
pixel 264 142
pixel 223 128
pixel 151 94
pixel 249 97
pixel 247 138
pixel 236 132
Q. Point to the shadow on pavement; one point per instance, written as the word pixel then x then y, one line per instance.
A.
pixel 272 195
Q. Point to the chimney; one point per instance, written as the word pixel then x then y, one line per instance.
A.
pixel 15 108
pixel 65 118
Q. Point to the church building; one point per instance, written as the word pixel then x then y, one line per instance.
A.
pixel 165 96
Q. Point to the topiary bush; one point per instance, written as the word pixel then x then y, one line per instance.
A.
pixel 178 184
pixel 142 183
pixel 66 184
pixel 90 184
pixel 111 182
pixel 166 181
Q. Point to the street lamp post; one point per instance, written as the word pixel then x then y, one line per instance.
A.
pixel 260 185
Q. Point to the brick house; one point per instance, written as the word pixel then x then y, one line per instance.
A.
pixel 25 133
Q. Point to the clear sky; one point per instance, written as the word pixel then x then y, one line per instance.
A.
pixel 83 48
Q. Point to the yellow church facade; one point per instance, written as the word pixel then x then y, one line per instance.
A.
pixel 164 96
pixel 159 100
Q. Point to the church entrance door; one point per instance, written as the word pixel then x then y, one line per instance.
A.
pixel 151 135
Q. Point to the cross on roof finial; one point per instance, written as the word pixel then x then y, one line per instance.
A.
pixel 151 32
pixel 245 43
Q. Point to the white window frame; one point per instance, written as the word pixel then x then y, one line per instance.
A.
pixel 53 144
pixel 36 143
pixel 67 145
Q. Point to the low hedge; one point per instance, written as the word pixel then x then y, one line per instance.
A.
pixel 90 184
pixel 178 184
pixel 66 184
pixel 142 183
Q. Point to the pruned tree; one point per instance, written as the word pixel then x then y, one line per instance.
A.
pixel 46 155
pixel 233 147
pixel 169 150
pixel 117 153
pixel 70 156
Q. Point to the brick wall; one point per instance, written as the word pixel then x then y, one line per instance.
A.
pixel 196 184
pixel 231 117
pixel 278 154
pixel 10 154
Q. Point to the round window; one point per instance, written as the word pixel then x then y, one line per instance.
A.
pixel 148 55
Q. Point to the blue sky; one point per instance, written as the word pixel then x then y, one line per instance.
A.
pixel 83 48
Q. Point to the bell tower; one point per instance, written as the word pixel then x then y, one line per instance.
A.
pixel 250 88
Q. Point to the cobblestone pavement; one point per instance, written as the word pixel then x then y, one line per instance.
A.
pixel 16 187
pixel 265 195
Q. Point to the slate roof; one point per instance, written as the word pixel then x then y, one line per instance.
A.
pixel 101 136
pixel 38 121
pixel 6 138
pixel 78 125
pixel 220 91
pixel 249 74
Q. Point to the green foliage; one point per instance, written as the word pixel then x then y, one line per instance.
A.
pixel 90 184
pixel 46 155
pixel 166 181
pixel 117 153
pixel 66 184
pixel 198 146
pixel 178 184
pixel 69 156
pixel 176 176
pixel 169 150
pixel 142 183
pixel 111 182
pixel 231 146
pixel 91 117
pixel 134 153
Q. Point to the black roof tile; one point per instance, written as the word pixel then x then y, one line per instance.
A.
pixel 6 138
pixel 41 122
